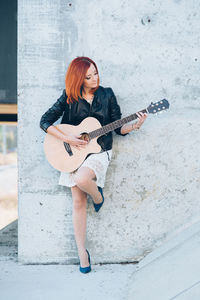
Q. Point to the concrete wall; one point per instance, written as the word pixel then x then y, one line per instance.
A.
pixel 145 50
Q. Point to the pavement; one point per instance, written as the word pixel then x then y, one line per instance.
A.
pixel 172 271
pixel 63 282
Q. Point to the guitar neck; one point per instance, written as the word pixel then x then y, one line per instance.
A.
pixel 114 125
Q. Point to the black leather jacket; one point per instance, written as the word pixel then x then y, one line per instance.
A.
pixel 104 108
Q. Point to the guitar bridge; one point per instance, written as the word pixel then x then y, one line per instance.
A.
pixel 68 149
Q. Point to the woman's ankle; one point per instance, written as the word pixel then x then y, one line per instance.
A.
pixel 99 199
pixel 81 249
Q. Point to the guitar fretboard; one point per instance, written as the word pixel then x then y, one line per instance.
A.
pixel 112 126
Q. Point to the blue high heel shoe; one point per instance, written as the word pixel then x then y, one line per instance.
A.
pixel 99 205
pixel 86 269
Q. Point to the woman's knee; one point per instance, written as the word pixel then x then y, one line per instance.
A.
pixel 84 176
pixel 79 202
pixel 79 198
pixel 81 179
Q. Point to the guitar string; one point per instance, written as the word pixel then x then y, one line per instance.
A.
pixel 110 127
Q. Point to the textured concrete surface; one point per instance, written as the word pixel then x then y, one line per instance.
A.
pixel 145 51
pixel 50 282
pixel 9 241
pixel 171 271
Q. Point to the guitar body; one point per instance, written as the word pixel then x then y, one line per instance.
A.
pixel 67 158
pixel 56 152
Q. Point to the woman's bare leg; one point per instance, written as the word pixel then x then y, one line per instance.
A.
pixel 79 222
pixel 85 184
pixel 85 180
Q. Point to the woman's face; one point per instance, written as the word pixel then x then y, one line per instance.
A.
pixel 91 77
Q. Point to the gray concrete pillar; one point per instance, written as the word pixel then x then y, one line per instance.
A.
pixel 145 51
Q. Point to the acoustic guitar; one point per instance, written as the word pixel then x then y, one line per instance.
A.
pixel 66 158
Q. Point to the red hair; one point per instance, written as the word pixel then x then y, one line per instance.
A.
pixel 75 77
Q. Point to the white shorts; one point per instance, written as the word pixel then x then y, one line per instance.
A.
pixel 97 162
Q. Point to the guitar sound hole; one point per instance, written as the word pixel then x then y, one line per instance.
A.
pixel 85 137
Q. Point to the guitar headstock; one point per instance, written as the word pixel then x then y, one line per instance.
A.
pixel 153 108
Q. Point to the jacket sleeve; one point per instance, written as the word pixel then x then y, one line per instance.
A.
pixel 54 112
pixel 115 112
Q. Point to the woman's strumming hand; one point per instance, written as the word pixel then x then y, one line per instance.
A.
pixel 74 140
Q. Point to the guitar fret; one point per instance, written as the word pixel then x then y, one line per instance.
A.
pixel 110 127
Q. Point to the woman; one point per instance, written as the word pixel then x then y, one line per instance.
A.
pixel 84 97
